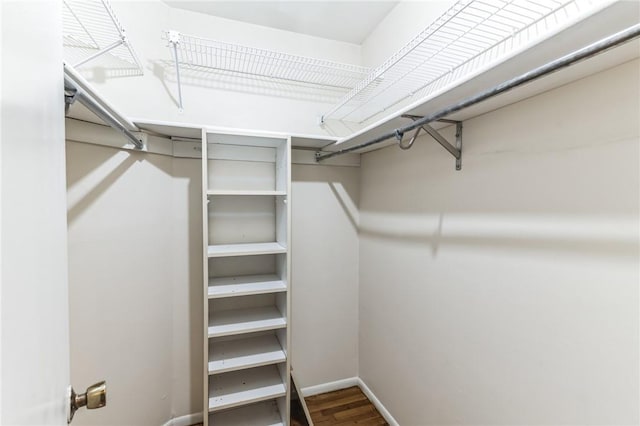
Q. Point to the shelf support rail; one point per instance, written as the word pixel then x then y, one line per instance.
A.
pixel 101 52
pixel 174 41
pixel 123 35
pixel 572 58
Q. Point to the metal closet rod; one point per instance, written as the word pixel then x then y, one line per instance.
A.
pixel 99 111
pixel 88 97
pixel 79 82
pixel 550 67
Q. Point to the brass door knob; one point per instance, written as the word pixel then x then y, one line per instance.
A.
pixel 94 397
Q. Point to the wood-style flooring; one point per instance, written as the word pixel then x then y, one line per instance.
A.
pixel 344 407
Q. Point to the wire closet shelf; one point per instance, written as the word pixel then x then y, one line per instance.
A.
pixel 93 33
pixel 468 37
pixel 207 54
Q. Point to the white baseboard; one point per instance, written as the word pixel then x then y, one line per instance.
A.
pixel 191 419
pixel 329 387
pixel 186 420
pixel 376 402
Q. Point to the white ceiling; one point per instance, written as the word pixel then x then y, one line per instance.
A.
pixel 349 21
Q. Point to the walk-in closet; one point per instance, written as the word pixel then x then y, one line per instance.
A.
pixel 298 213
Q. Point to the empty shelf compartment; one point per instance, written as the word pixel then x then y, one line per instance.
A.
pixel 245 353
pixel 264 413
pixel 241 321
pixel 250 249
pixel 246 163
pixel 245 286
pixel 245 387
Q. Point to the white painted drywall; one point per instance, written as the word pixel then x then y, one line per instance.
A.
pixel 507 293
pixel 121 280
pixel 330 20
pixel 187 306
pixel 34 308
pixel 222 101
pixel 136 279
pixel 399 27
pixel 324 273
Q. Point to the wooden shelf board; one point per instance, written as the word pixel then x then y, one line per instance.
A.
pixel 240 321
pixel 240 354
pixel 259 414
pixel 245 387
pixel 247 249
pixel 245 286
pixel 244 192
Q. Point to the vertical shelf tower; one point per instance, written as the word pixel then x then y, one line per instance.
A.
pixel 246 181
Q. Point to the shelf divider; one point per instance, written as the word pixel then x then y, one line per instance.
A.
pixel 245 387
pixel 240 321
pixel 241 354
pixel 246 249
pixel 245 286
pixel 258 414
pixel 245 192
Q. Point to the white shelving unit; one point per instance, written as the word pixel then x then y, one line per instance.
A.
pixel 91 30
pixel 207 54
pixel 573 26
pixel 468 39
pixel 245 210
pixel 203 61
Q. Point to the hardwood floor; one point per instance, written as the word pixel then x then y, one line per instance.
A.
pixel 344 407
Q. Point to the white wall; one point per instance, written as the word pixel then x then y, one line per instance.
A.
pixel 324 273
pixel 34 319
pixel 135 282
pixel 136 279
pixel 399 27
pixel 187 306
pixel 221 101
pixel 121 290
pixel 507 293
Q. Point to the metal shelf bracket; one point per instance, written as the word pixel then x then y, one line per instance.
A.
pixel 174 40
pixel 92 26
pixel 455 150
pixel 120 42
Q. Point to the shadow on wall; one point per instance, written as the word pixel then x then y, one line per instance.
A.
pixel 101 68
pixel 347 203
pixel 593 239
pixel 340 182
pixel 548 190
pixel 98 159
pixel 159 72
pixel 99 74
pixel 189 170
pixel 81 169
pixel 93 171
